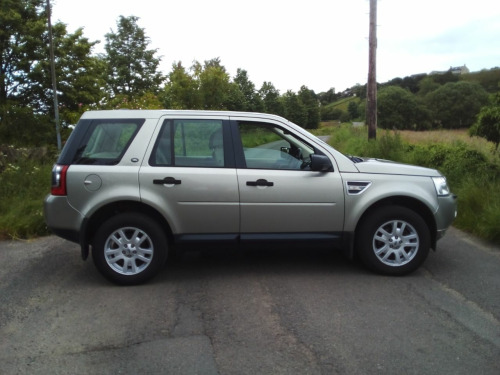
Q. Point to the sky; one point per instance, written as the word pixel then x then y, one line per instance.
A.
pixel 321 44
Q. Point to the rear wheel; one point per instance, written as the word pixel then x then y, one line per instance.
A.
pixel 393 240
pixel 129 248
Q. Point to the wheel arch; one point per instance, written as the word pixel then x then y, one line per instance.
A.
pixel 92 223
pixel 410 203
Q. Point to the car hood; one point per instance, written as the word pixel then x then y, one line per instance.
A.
pixel 391 167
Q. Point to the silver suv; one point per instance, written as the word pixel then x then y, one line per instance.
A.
pixel 132 184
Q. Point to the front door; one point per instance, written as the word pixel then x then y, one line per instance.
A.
pixel 279 194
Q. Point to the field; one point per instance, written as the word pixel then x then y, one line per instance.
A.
pixel 471 167
pixel 451 137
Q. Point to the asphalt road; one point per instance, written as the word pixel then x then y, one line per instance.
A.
pixel 261 312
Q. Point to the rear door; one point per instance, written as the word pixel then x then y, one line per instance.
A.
pixel 190 177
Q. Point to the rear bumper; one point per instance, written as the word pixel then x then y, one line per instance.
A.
pixel 61 218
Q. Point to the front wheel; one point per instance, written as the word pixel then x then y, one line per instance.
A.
pixel 129 248
pixel 393 240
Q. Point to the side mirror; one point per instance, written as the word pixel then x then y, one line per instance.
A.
pixel 321 163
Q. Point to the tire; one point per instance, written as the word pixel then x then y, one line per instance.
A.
pixel 393 240
pixel 129 249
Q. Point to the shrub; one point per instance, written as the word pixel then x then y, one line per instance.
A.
pixel 471 176
pixel 23 184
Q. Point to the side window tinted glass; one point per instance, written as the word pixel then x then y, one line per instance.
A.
pixel 162 152
pixel 267 146
pixel 106 141
pixel 189 143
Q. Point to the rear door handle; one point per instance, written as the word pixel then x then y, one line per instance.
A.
pixel 167 181
pixel 260 182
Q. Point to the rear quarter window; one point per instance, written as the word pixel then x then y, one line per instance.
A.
pixel 105 141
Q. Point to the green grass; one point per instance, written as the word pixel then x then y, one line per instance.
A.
pixel 343 104
pixel 473 173
pixel 22 187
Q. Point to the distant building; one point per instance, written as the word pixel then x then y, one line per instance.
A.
pixel 454 70
pixel 459 69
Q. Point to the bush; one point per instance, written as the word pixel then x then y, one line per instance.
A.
pixel 479 208
pixel 470 175
pixel 488 123
pixel 23 184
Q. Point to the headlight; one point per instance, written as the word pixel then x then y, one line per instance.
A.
pixel 441 186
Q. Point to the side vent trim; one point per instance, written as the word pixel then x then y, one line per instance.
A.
pixel 357 187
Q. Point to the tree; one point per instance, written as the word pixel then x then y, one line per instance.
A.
pixel 270 96
pixel 181 90
pixel 328 97
pixel 426 86
pixel 23 22
pixel 295 110
pixel 132 67
pixel 26 94
pixel 456 104
pixel 399 109
pixel 311 105
pixel 80 78
pixel 252 101
pixel 352 109
pixel 147 100
pixel 488 122
pixel 214 84
pixel 445 78
pixel 488 79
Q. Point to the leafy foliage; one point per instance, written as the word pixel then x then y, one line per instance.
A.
pixel 470 174
pixel 127 76
pixel 26 95
pixel 271 99
pixel 214 84
pixel 400 109
pixel 181 89
pixel 79 75
pixel 455 105
pixel 488 122
pixel 311 106
pixel 23 22
pixel 252 102
pixel 132 67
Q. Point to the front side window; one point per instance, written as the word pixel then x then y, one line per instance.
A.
pixel 267 146
pixel 189 143
pixel 105 141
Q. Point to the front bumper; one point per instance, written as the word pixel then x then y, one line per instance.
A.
pixel 445 214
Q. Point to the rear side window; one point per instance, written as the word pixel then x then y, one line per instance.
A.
pixel 189 143
pixel 105 141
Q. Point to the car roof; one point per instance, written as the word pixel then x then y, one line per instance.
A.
pixel 157 113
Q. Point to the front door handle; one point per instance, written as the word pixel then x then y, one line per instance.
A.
pixel 260 182
pixel 167 181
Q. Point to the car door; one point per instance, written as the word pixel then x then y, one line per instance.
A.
pixel 190 178
pixel 280 196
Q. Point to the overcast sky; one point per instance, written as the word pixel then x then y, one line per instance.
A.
pixel 317 43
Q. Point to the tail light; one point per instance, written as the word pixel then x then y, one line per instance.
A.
pixel 59 179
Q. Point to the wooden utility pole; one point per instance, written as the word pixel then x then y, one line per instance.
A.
pixel 371 95
pixel 54 85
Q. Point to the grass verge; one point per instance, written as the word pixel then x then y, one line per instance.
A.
pixel 23 185
pixel 473 173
